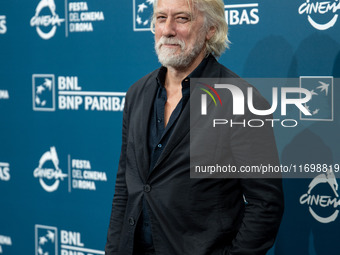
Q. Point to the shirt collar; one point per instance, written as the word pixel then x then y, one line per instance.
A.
pixel 186 81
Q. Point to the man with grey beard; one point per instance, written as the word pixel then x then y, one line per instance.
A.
pixel 157 208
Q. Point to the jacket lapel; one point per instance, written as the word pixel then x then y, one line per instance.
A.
pixel 142 152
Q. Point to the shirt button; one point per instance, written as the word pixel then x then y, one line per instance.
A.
pixel 159 120
pixel 147 188
pixel 131 221
pixel 159 145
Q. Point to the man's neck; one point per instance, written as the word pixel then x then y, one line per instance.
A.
pixel 174 76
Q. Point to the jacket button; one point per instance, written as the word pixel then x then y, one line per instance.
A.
pixel 131 221
pixel 147 188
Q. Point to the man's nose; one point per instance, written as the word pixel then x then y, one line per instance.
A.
pixel 169 29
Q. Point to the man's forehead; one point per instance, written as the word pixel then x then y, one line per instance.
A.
pixel 174 6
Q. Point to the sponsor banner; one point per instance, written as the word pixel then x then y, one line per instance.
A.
pixel 321 105
pixel 70 96
pixel 73 16
pixel 82 174
pixel 46 19
pixel 142 14
pixel 5 171
pixel 322 197
pixel 4 241
pixel 48 240
pixel 43 92
pixel 321 15
pixel 48 171
pixel 3 26
pixel 242 14
pixel 4 94
pixel 81 17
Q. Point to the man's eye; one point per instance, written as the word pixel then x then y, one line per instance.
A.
pixel 161 18
pixel 183 19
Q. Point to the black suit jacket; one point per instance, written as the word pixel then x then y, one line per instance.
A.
pixel 192 216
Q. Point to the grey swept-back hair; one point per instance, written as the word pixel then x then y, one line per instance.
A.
pixel 214 16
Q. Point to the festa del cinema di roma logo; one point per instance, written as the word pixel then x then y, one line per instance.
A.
pixel 322 204
pixel 46 19
pixel 48 171
pixel 321 15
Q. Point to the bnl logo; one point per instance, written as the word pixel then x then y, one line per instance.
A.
pixel 321 104
pixel 46 240
pixel 43 90
pixel 142 14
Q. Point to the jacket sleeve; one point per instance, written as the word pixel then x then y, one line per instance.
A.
pixel 253 146
pixel 120 196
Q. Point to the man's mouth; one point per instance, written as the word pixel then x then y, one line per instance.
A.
pixel 170 45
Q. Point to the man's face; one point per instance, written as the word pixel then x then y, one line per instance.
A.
pixel 179 33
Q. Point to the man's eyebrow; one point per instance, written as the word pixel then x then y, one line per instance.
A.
pixel 174 14
pixel 186 13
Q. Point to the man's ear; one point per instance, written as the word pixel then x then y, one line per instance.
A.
pixel 211 32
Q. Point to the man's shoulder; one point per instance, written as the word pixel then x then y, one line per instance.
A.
pixel 139 85
pixel 215 69
pixel 137 90
pixel 227 73
pixel 230 77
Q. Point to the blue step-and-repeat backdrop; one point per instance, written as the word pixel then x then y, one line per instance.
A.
pixel 65 68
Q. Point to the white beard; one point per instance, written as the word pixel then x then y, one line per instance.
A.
pixel 168 58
